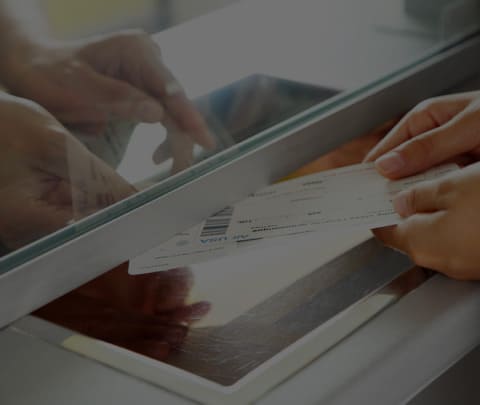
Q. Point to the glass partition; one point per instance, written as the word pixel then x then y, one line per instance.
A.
pixel 237 325
pixel 125 119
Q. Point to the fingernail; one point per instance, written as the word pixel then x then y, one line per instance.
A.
pixel 401 205
pixel 391 163
pixel 151 111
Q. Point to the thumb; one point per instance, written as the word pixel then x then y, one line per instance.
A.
pixel 427 197
pixel 419 237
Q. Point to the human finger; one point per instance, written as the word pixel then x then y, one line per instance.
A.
pixel 428 196
pixel 456 138
pixel 427 116
pixel 118 99
pixel 421 237
pixel 159 81
pixel 190 314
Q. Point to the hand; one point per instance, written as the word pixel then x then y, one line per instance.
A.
pixel 88 83
pixel 146 314
pixel 438 130
pixel 442 226
pixel 46 175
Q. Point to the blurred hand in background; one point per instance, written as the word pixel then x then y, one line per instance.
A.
pixel 89 82
pixel 47 177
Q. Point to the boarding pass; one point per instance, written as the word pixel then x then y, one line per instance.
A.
pixel 330 201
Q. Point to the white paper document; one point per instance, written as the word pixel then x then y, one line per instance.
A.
pixel 335 200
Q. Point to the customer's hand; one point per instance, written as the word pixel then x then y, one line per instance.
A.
pixel 47 177
pixel 442 226
pixel 441 230
pixel 437 130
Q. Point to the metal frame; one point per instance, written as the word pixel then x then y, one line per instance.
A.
pixel 396 355
pixel 64 268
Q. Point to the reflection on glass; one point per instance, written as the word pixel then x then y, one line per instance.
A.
pixel 88 88
pixel 223 319
pixel 233 114
pixel 147 315
pixel 111 120
pixel 232 331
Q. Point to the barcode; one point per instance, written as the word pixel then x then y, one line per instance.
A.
pixel 218 224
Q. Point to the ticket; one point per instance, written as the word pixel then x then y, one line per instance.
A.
pixel 347 197
pixel 330 201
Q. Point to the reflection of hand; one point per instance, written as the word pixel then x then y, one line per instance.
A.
pixel 149 293
pixel 438 130
pixel 146 314
pixel 37 189
pixel 143 334
pixel 87 83
pixel 177 145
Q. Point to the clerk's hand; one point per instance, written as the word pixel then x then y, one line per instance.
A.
pixel 85 84
pixel 441 230
pixel 46 175
pixel 88 82
pixel 437 130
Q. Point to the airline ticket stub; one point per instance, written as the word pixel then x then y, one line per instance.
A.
pixel 334 200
